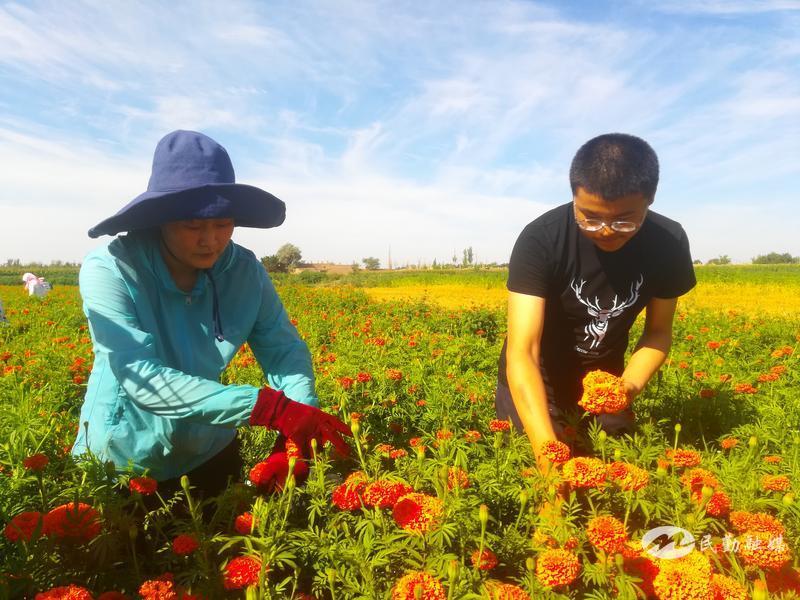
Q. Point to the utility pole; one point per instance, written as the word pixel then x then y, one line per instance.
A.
pixel 390 257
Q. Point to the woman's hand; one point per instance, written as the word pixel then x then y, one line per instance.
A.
pixel 299 422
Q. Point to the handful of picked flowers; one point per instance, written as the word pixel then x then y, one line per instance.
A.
pixel 603 393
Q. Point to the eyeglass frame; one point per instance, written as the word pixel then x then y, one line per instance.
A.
pixel 612 225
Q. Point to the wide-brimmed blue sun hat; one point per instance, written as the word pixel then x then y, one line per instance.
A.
pixel 193 178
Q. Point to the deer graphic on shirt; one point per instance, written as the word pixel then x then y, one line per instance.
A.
pixel 598 326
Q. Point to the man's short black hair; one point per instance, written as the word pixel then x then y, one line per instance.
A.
pixel 614 165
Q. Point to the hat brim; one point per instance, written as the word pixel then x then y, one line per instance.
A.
pixel 247 205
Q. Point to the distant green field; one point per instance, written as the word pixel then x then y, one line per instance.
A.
pixel 772 275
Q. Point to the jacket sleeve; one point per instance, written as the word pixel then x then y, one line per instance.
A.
pixel 110 308
pixel 282 354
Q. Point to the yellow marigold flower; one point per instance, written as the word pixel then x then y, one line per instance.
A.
pixel 727 588
pixel 603 393
pixel 627 476
pixel 685 578
pixel 584 471
pixel 764 550
pixel 607 533
pixel 775 483
pixel 556 567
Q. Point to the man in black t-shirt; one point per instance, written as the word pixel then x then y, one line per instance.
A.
pixel 578 277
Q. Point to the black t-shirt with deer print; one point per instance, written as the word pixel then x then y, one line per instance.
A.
pixel 593 297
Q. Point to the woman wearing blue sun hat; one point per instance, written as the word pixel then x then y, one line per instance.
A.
pixel 169 304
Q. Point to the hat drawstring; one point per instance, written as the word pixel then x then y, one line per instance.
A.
pixel 217 321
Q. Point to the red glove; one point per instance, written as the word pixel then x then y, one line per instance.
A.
pixel 270 475
pixel 299 422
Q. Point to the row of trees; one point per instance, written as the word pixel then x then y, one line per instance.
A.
pixel 773 258
pixel 288 258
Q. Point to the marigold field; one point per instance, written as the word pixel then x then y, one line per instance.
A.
pixel 439 499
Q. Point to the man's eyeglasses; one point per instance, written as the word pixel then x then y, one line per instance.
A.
pixel 594 225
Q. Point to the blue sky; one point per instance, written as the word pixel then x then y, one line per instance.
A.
pixel 424 127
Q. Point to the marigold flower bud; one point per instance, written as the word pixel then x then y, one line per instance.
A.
pixel 420 452
pixel 677 428
pixel 530 564
pixel 483 514
pixel 707 491
pixel 331 573
pixel 753 441
pixel 452 570
pixel 314 445
pixel 788 499
pixel 185 483
pixel 523 497
pixel 760 590
pixel 617 454
pixel 355 427
pixel 661 472
pixel 603 436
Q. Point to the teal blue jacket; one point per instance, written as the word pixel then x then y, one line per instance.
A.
pixel 153 398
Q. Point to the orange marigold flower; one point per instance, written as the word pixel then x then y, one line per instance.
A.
pixel 417 512
pixel 472 436
pixel 748 521
pixel 244 523
pixel 398 453
pixel 364 377
pixel 347 496
pixel 143 485
pixel 603 393
pixel 242 572
pixel 293 450
pixel 384 449
pixel 485 561
pixel 35 462
pixel 184 544
pixel 627 476
pixel 713 345
pixel 23 526
pixel 159 588
pixel 498 590
pixel 607 533
pixel 773 460
pixel 74 521
pixel 744 388
pixel 684 458
pixel 695 479
pixel 727 588
pixel 556 567
pixel 728 443
pixel 415 441
pixel 584 471
pixel 641 564
pixel 775 483
pixel 767 377
pixel 555 451
pixel 779 369
pixel 418 582
pixel 385 493
pixel 684 578
pixel 457 478
pixel 764 550
pixel 707 393
pixel 498 425
pixel 66 592
pixel 784 580
pixel 394 374
pixel 719 504
pixel 346 382
pixel 444 434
